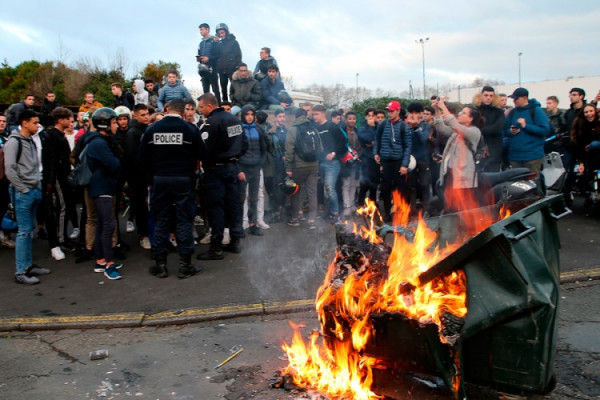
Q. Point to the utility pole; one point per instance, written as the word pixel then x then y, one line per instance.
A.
pixel 422 42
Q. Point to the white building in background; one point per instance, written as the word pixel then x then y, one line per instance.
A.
pixel 538 90
pixel 301 97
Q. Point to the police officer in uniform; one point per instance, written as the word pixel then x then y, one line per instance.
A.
pixel 169 151
pixel 226 142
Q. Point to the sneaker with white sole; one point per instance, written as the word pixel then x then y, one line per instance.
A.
pixel 206 238
pixel 226 237
pixel 36 270
pixel 112 273
pixel 262 225
pixel 7 243
pixel 198 220
pixel 26 280
pixel 74 234
pixel 57 253
pixel 246 225
pixel 173 241
pixel 145 243
pixel 130 227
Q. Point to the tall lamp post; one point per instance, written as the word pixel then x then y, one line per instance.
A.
pixel 422 42
pixel 520 54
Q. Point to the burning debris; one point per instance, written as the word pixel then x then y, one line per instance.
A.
pixel 399 307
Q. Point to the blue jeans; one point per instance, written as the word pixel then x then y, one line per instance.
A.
pixel 330 171
pixel 169 191
pixel 26 205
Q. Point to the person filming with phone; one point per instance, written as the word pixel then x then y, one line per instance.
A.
pixel 526 127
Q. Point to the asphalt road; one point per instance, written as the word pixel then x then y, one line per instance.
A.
pixel 286 265
pixel 177 362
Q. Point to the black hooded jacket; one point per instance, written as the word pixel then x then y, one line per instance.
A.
pixel 229 53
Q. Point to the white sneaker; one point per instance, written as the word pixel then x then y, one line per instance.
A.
pixel 206 238
pixel 130 227
pixel 145 243
pixel 246 225
pixel 173 241
pixel 57 253
pixel 7 242
pixel 262 225
pixel 226 237
pixel 74 234
pixel 198 220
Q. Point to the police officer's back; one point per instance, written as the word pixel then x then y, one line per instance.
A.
pixel 170 150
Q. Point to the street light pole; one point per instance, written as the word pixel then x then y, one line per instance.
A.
pixel 520 54
pixel 422 42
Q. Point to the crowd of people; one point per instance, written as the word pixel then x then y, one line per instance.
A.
pixel 236 164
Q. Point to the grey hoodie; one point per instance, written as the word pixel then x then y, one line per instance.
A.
pixel 23 174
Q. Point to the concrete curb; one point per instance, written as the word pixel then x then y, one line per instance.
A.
pixel 173 317
pixel 194 315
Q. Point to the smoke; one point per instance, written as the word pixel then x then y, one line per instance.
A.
pixel 289 263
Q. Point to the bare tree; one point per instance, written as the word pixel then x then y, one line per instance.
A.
pixel 288 82
pixel 119 61
pixel 62 51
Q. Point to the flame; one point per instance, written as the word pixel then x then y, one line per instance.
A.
pixel 335 364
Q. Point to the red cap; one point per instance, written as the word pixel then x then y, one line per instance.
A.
pixel 393 105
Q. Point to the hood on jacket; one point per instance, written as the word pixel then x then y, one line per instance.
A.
pixel 139 86
pixel 300 120
pixel 478 102
pixel 245 110
pixel 532 104
pixel 236 76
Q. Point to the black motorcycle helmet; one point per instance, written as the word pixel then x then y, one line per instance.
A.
pixel 289 187
pixel 102 116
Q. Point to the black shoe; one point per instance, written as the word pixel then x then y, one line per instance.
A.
pixel 255 230
pixel 86 255
pixel 160 268
pixel 159 271
pixel 68 247
pixel 234 246
pixel 186 272
pixel 214 253
pixel 186 268
pixel 42 234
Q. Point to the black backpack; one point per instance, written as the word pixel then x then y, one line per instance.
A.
pixel 308 142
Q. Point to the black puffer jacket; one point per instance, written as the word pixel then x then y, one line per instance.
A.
pixel 229 53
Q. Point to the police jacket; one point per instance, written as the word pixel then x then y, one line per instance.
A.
pixel 224 137
pixel 171 147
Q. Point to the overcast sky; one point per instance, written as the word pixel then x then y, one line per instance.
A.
pixel 323 42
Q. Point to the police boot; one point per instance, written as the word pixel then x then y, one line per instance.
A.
pixel 215 252
pixel 160 268
pixel 234 246
pixel 186 268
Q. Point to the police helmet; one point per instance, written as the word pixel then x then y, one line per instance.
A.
pixel 102 116
pixel 289 187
